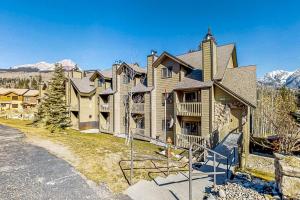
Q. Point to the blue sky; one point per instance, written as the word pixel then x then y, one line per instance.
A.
pixel 96 33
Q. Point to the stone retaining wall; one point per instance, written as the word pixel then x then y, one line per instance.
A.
pixel 287 171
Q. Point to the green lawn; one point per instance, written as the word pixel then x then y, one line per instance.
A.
pixel 98 155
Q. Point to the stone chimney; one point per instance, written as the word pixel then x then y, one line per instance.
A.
pixel 150 60
pixel 209 56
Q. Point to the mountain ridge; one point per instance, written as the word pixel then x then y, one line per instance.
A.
pixel 280 78
pixel 67 64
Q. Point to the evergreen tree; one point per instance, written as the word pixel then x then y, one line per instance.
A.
pixel 34 84
pixel 53 110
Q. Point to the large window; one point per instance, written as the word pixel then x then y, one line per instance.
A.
pixel 166 72
pixel 190 128
pixel 15 98
pixel 190 96
pixel 168 97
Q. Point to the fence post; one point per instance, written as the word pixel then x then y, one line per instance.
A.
pixel 190 171
pixel 131 158
pixel 215 170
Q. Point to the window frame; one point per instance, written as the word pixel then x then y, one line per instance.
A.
pixel 166 72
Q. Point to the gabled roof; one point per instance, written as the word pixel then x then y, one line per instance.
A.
pixel 224 53
pixel 188 83
pixel 83 85
pixel 107 91
pixel 13 90
pixel 135 67
pixel 141 88
pixel 168 55
pixel 241 81
pixel 106 74
pixel 31 93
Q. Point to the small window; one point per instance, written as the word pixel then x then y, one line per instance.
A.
pixel 14 105
pixel 166 72
pixel 140 123
pixel 15 98
pixel 101 82
pixel 168 97
pixel 168 125
pixel 126 79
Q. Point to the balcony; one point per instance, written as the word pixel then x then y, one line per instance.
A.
pixel 104 107
pixel 184 140
pixel 138 108
pixel 189 109
pixel 74 107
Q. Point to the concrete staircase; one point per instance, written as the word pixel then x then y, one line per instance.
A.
pixel 177 186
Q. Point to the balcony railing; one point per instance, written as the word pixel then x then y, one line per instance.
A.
pixel 74 107
pixel 138 108
pixel 104 107
pixel 184 140
pixel 189 109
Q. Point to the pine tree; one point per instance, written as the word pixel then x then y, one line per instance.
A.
pixel 34 84
pixel 53 110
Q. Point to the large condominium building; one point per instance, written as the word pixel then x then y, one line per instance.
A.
pixel 199 94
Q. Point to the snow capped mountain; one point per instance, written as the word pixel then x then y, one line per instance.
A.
pixel 279 78
pixel 44 66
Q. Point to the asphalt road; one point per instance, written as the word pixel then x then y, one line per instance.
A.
pixel 30 172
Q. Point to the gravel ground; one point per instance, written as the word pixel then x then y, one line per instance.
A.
pixel 30 172
pixel 245 187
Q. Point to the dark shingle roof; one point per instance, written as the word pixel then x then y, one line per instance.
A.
pixel 83 85
pixel 107 92
pixel 189 83
pixel 224 52
pixel 141 88
pixel 242 81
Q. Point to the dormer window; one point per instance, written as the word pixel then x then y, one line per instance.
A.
pixel 166 72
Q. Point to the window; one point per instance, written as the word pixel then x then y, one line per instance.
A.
pixel 190 96
pixel 166 72
pixel 101 82
pixel 14 105
pixel 168 96
pixel 15 98
pixel 26 99
pixel 126 79
pixel 140 123
pixel 168 125
pixel 190 128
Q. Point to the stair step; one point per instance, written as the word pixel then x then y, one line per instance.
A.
pixel 148 190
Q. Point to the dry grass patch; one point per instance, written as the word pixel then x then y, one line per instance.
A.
pixel 96 156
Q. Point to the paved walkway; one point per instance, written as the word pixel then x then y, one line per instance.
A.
pixel 30 172
pixel 175 187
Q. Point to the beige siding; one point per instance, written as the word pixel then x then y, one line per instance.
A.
pixel 162 85
pixel 205 119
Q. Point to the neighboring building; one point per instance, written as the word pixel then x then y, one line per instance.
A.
pixel 17 99
pixel 207 95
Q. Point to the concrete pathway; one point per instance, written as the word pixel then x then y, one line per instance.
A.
pixel 30 172
pixel 176 186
